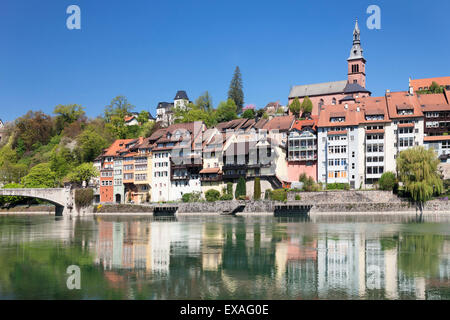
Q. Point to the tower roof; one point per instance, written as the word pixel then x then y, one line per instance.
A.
pixel 357 51
pixel 181 95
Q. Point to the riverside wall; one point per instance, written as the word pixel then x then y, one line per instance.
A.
pixel 390 205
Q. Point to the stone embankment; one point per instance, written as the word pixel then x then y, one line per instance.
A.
pixel 346 202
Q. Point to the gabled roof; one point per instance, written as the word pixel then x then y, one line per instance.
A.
pixel 303 124
pixel 283 123
pixel 318 89
pixel 422 83
pixel 401 101
pixel 351 115
pixel 116 146
pixel 431 99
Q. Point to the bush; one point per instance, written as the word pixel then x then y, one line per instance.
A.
pixel 309 185
pixel 84 197
pixel 257 189
pixel 338 186
pixel 268 194
pixel 387 181
pixel 212 195
pixel 191 197
pixel 241 189
pixel 297 197
pixel 226 197
pixel 186 197
pixel 230 188
pixel 279 195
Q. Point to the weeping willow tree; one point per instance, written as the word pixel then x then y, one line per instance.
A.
pixel 418 170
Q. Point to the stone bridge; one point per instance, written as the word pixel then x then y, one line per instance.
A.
pixel 61 197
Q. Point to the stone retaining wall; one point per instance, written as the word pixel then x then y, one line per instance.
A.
pixel 269 206
pixel 352 196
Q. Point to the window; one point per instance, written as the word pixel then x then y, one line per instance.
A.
pixel 333 101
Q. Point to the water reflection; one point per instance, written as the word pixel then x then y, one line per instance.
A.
pixel 226 258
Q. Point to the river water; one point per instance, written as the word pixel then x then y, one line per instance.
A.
pixel 361 257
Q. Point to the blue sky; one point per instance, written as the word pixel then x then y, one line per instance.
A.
pixel 147 50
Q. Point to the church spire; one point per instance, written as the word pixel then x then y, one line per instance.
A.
pixel 357 51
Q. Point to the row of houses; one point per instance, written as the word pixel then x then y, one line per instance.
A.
pixel 348 137
pixel 354 143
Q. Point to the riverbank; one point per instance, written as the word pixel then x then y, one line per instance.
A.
pixel 264 208
pixel 29 210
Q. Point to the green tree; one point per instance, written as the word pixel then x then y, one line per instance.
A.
pixel 249 114
pixel 40 176
pixel 34 128
pixel 226 111
pixel 307 106
pixel 119 107
pixel 435 87
pixel 295 107
pixel 67 114
pixel 230 188
pixel 83 173
pixel 257 189
pixel 192 113
pixel 241 189
pixel 387 181
pixel 61 161
pixel 212 195
pixel 90 145
pixel 115 114
pixel 418 171
pixel 236 92
pixel 204 102
pixel 143 117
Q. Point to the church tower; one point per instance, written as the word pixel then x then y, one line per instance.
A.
pixel 356 61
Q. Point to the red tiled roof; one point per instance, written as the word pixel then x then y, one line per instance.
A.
pixel 429 108
pixel 210 170
pixel 375 131
pixel 436 138
pixel 129 118
pixel 300 124
pixel 406 125
pixel 336 133
pixel 116 146
pixel 422 83
pixel 282 123
pixel 431 99
pixel 401 101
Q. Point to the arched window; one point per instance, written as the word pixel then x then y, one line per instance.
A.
pixel 321 102
pixel 334 101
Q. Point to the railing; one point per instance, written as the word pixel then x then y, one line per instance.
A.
pixel 211 179
pixel 234 167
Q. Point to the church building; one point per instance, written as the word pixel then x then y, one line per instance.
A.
pixel 338 92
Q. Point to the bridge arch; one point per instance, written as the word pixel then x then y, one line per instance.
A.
pixel 60 197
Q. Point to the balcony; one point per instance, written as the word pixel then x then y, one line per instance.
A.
pixel 306 158
pixel 177 178
pixel 233 175
pixel 211 178
pixel 235 167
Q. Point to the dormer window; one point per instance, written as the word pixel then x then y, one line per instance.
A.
pixel 337 119
pixel 373 117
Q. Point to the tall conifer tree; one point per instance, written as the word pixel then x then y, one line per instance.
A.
pixel 235 92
